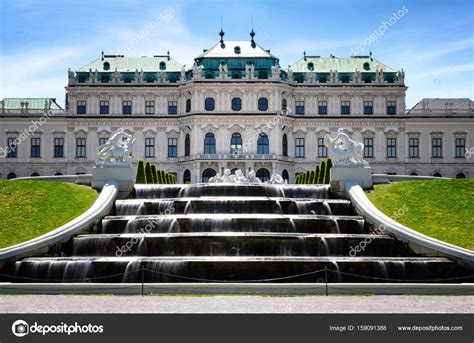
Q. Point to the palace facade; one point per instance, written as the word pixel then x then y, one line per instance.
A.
pixel 236 108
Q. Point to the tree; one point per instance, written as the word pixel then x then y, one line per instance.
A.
pixel 148 175
pixel 140 178
pixel 316 175
pixel 160 176
pixel 322 170
pixel 153 173
pixel 327 174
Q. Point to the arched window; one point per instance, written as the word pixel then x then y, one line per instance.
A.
pixel 263 104
pixel 262 144
pixel 263 174
pixel 187 176
pixel 207 174
pixel 236 75
pixel 414 174
pixel 236 104
pixel 58 174
pixel 11 176
pixel 285 175
pixel 209 143
pixel 188 105
pixel 209 76
pixel 460 176
pixel 35 174
pixel 437 174
pixel 284 145
pixel 209 104
pixel 187 145
pixel 236 143
pixel 284 105
pixel 162 65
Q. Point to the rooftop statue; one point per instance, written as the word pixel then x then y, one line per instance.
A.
pixel 117 150
pixel 344 151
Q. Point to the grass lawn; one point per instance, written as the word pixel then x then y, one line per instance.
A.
pixel 32 208
pixel 443 209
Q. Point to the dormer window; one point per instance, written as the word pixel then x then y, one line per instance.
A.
pixel 106 65
pixel 366 66
pixel 162 65
pixel 311 66
pixel 237 50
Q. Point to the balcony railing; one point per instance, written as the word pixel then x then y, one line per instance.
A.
pixel 229 156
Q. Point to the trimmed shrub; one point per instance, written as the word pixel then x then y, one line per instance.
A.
pixel 140 178
pixel 327 173
pixel 322 170
pixel 148 175
pixel 153 173
pixel 316 175
pixel 311 176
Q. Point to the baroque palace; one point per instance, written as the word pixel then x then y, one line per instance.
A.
pixel 236 108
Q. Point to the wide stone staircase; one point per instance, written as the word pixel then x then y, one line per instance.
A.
pixel 233 233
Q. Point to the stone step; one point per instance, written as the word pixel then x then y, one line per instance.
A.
pixel 235 269
pixel 233 205
pixel 236 244
pixel 235 222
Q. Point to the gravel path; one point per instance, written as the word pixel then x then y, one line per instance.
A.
pixel 235 304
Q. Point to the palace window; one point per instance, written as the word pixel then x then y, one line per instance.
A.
pixel 209 143
pixel 368 107
pixel 172 147
pixel 35 147
pixel 149 147
pixel 262 74
pixel 262 144
pixel 81 107
pixel 284 145
pixel 11 146
pixel 299 147
pixel 59 147
pixel 322 149
pixel 413 148
pixel 104 107
pixel 209 104
pixel 345 107
pixel 103 140
pixel 149 107
pixel 188 105
pixel 162 65
pixel 391 108
pixel 299 107
pixel 263 104
pixel 460 148
pixel 126 107
pixel 236 143
pixel 263 174
pixel 80 147
pixel 368 148
pixel 207 174
pixel 391 147
pixel 172 107
pixel 322 107
pixel 436 147
pixel 236 104
pixel 187 145
pixel 284 105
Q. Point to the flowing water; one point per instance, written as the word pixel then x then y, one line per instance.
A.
pixel 229 232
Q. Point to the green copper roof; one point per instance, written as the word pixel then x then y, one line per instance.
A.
pixel 33 103
pixel 342 65
pixel 130 64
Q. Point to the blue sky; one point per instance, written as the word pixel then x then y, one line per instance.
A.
pixel 433 41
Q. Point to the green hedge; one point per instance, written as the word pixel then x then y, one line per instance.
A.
pixel 320 175
pixel 148 173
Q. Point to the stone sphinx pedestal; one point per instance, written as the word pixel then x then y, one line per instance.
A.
pixel 341 173
pixel 123 173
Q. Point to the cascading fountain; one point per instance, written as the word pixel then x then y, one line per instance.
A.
pixel 222 232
